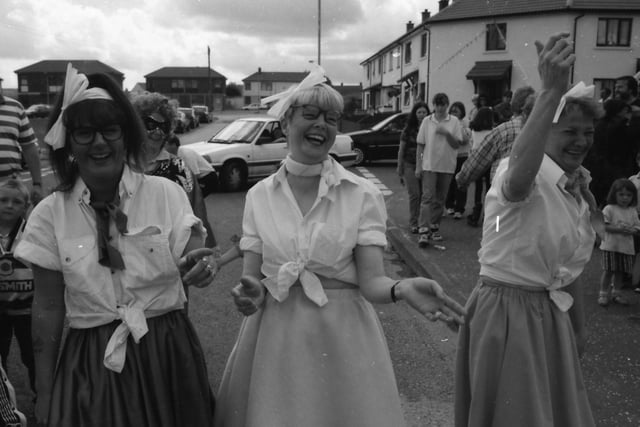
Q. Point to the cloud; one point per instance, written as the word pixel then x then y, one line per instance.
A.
pixel 140 37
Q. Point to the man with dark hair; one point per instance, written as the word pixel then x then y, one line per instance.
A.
pixel 503 111
pixel 626 89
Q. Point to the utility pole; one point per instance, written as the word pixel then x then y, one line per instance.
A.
pixel 209 100
pixel 319 27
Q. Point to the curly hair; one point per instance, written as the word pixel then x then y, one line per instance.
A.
pixel 154 102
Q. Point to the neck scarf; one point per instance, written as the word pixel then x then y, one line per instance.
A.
pixel 108 255
pixel 300 169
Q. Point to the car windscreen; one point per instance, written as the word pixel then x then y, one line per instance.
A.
pixel 383 123
pixel 243 131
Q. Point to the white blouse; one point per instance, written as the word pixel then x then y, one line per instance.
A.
pixel 348 211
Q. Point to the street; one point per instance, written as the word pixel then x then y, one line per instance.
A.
pixel 422 352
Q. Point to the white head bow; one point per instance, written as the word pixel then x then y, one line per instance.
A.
pixel 75 90
pixel 580 90
pixel 316 76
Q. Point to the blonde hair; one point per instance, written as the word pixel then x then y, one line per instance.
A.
pixel 322 95
pixel 14 184
pixel 588 106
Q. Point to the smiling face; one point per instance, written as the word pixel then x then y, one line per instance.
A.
pixel 13 205
pixel 311 136
pixel 421 113
pixel 570 139
pixel 96 139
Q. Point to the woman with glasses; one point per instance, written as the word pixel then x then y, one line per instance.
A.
pixel 311 351
pixel 112 248
pixel 159 118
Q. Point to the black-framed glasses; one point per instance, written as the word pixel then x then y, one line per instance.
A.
pixel 86 135
pixel 312 112
pixel 154 125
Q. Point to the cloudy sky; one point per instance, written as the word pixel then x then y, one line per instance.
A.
pixel 138 37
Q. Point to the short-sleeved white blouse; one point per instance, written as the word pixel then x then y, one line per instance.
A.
pixel 61 235
pixel 348 211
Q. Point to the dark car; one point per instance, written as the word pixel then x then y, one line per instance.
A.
pixel 38 110
pixel 202 111
pixel 381 141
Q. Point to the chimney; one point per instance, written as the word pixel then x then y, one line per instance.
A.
pixel 426 15
pixel 259 70
pixel 409 26
pixel 442 4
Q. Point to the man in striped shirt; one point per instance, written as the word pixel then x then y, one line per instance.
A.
pixel 18 141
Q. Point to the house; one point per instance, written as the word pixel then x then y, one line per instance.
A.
pixel 189 85
pixel 352 96
pixel 266 83
pixel 480 46
pixel 41 82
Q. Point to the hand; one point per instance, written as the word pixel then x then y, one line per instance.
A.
pixel 427 296
pixel 441 130
pixel 554 62
pixel 198 267
pixel 41 410
pixel 248 295
pixel 419 173
pixel 400 170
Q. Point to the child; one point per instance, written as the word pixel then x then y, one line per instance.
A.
pixel 621 224
pixel 635 277
pixel 16 279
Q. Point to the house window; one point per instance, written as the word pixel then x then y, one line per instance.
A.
pixel 247 86
pixel 177 85
pixel 398 55
pixel 604 84
pixel 217 84
pixel 407 94
pixel 368 71
pixel 497 36
pixel 24 85
pixel 265 86
pixel 423 45
pixel 614 32
pixel 407 53
pixel 391 61
pixel 381 64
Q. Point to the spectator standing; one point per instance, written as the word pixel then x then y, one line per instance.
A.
pixel 18 141
pixel 480 128
pixel 311 351
pixel 16 281
pixel 497 145
pixel 407 154
pixel 207 177
pixel 159 119
pixel 456 200
pixel 517 360
pixel 438 140
pixel 621 225
pixel 111 248
pixel 502 110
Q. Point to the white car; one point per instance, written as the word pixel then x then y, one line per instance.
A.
pixel 255 107
pixel 252 148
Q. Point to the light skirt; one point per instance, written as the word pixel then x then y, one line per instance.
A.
pixel 517 363
pixel 297 364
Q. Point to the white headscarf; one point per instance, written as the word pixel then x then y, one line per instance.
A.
pixel 75 90
pixel 580 90
pixel 316 76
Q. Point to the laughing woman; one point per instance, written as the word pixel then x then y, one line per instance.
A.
pixel 312 351
pixel 109 247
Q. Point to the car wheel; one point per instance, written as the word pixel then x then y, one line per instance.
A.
pixel 360 157
pixel 233 176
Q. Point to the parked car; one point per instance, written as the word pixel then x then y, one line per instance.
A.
pixel 202 111
pixel 194 121
pixel 182 122
pixel 381 141
pixel 252 148
pixel 38 110
pixel 255 107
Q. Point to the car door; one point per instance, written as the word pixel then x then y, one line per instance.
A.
pixel 389 140
pixel 269 149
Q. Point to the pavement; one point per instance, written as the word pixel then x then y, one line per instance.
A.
pixel 611 364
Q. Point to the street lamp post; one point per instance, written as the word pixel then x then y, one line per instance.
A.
pixel 319 27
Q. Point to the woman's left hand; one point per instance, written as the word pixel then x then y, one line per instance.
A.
pixel 198 267
pixel 427 296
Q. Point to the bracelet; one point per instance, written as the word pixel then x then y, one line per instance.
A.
pixel 393 291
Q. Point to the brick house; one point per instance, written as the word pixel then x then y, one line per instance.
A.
pixel 189 85
pixel 40 83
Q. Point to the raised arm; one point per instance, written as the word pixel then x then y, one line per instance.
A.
pixel 554 63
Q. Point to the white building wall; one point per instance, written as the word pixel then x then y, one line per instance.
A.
pixel 456 47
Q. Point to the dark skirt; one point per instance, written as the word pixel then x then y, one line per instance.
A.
pixel 164 382
pixel 617 262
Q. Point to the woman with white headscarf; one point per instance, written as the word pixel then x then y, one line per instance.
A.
pixel 312 351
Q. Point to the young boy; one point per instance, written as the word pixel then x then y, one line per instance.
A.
pixel 16 279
